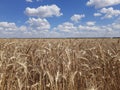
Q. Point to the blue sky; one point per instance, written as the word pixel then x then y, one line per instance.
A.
pixel 59 18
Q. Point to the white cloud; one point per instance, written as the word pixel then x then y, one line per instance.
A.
pixel 9 29
pixel 43 11
pixel 6 26
pixel 33 0
pixel 66 27
pixel 97 14
pixel 38 24
pixel 38 27
pixel 89 28
pixel 29 1
pixel 90 23
pixel 109 12
pixel 102 3
pixel 77 17
pixel 34 28
pixel 115 25
pixel 23 28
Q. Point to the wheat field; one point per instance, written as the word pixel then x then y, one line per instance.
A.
pixel 59 64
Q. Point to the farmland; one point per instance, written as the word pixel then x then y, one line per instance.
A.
pixel 59 64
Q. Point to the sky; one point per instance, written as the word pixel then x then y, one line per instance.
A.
pixel 59 18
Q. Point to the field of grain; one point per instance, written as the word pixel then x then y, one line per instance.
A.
pixel 59 64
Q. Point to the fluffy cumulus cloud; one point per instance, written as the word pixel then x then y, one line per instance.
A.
pixel 66 27
pixel 35 27
pixel 90 23
pixel 116 25
pixel 109 12
pixel 43 11
pixel 102 3
pixel 33 24
pixel 7 26
pixel 80 30
pixel 97 14
pixel 29 1
pixel 23 28
pixel 38 24
pixel 77 17
pixel 89 28
pixel 40 27
pixel 10 29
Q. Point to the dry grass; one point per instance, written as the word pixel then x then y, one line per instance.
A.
pixel 59 64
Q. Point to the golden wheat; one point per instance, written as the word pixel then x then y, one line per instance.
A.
pixel 59 64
